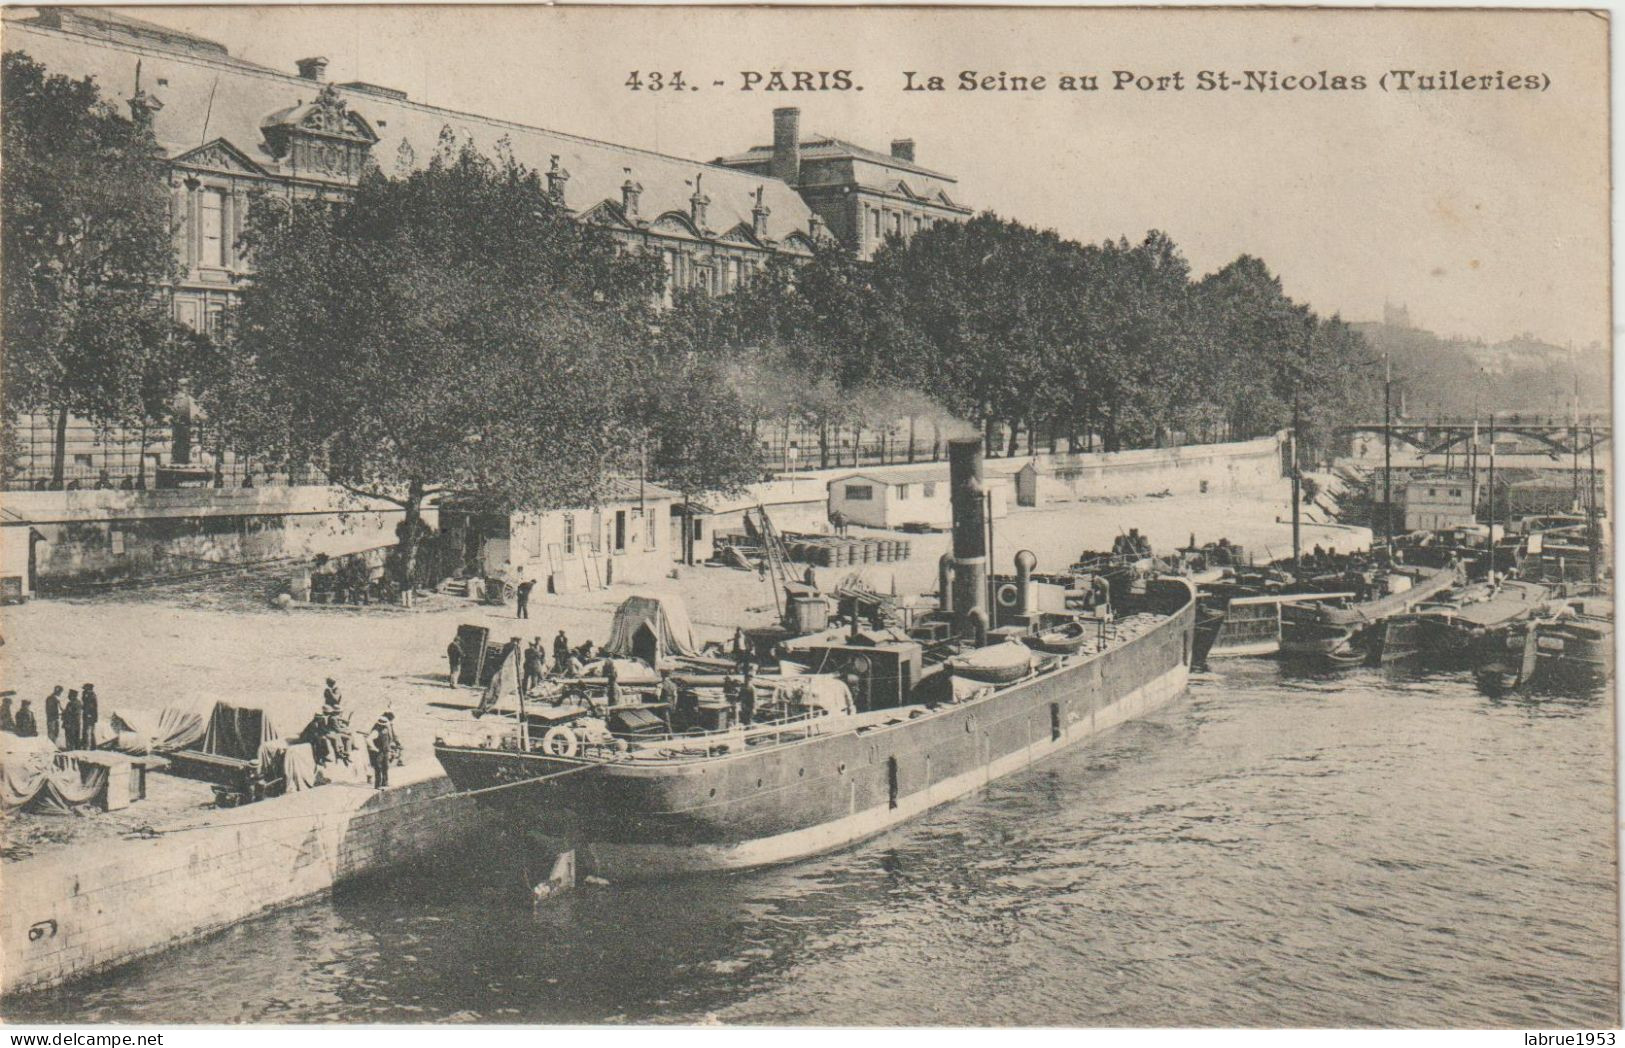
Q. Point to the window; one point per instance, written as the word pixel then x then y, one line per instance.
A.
pixel 875 215
pixel 82 461
pixel 620 531
pixel 1455 492
pixel 897 222
pixel 212 242
pixel 214 320
pixel 902 492
pixel 569 534
pixel 918 225
pixel 929 489
pixel 649 533
pixel 859 493
pixel 1432 492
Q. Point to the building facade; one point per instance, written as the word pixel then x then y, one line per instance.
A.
pixel 233 131
pixel 1437 501
pixel 860 195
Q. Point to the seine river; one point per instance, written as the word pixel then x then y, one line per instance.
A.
pixel 1371 848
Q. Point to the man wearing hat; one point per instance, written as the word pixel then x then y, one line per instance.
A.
pixel 380 741
pixel 91 713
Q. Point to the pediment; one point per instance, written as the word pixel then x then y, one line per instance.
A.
pixel 607 213
pixel 221 155
pixel 676 222
pixel 741 234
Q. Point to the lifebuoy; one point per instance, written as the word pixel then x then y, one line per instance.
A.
pixel 559 742
pixel 1008 594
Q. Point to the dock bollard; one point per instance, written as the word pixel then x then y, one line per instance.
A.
pixel 559 881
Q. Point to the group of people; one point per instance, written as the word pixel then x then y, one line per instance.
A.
pixel 567 661
pixel 70 724
pixel 682 706
pixel 330 739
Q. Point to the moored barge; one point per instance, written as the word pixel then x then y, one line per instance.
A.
pixel 824 775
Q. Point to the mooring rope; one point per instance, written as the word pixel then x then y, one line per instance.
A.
pixel 148 831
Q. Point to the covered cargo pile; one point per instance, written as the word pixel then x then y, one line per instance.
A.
pixel 653 628
pixel 35 777
pixel 140 732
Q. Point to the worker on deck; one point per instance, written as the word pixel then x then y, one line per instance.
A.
pixel 561 653
pixel 72 720
pixel 380 745
pixel 25 725
pixel 533 666
pixel 8 720
pixel 330 694
pixel 668 698
pixel 53 714
pixel 92 715
pixel 454 656
pixel 612 686
pixel 747 697
pixel 810 577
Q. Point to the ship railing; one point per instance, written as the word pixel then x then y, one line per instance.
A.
pixel 707 743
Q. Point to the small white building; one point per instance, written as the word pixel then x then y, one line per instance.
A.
pixel 1436 501
pixel 626 538
pixel 891 498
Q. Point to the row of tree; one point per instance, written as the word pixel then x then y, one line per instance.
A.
pixel 454 331
pixel 1029 335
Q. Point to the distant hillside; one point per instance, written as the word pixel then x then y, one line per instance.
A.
pixel 1439 375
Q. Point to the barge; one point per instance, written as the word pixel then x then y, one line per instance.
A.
pixel 820 774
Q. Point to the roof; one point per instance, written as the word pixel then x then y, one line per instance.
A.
pixel 630 489
pixel 897 476
pixel 828 147
pixel 208 96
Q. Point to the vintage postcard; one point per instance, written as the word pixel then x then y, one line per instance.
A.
pixel 807 517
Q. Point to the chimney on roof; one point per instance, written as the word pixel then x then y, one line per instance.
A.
pixel 142 105
pixel 557 176
pixel 903 149
pixel 759 213
pixel 313 68
pixel 630 191
pixel 786 164
pixel 698 203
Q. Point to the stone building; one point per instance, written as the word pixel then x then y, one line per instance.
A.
pixel 862 196
pixel 232 130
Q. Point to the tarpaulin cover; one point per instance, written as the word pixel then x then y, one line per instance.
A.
pixel 667 620
pixel 627 671
pixel 826 693
pixel 140 731
pixel 238 731
pixel 33 775
pixel 504 682
pixel 299 767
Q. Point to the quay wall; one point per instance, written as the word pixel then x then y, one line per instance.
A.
pixel 75 911
pixel 86 537
pixel 1239 467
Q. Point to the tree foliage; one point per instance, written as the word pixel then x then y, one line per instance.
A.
pixel 87 246
pixel 451 331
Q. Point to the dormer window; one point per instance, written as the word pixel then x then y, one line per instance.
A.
pixel 321 138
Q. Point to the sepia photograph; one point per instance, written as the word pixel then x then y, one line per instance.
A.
pixel 600 516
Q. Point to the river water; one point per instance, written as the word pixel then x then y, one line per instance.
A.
pixel 1375 847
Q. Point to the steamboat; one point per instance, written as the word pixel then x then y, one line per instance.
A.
pixel 862 728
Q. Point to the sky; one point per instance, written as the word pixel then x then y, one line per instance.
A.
pixel 1485 212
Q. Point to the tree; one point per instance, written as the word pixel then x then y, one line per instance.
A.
pixel 697 433
pixel 454 331
pixel 87 246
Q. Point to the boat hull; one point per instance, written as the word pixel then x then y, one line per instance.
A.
pixel 776 804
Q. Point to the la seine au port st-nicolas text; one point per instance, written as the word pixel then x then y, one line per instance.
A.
pixel 1258 81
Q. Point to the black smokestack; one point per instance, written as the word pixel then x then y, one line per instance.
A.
pixel 970 535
